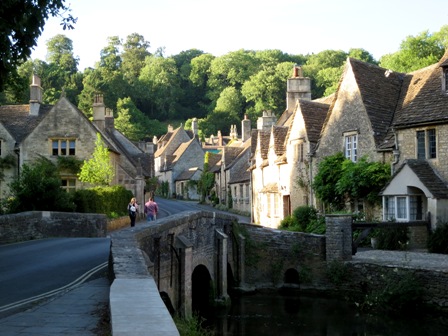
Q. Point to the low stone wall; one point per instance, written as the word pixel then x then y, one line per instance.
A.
pixel 45 224
pixel 269 253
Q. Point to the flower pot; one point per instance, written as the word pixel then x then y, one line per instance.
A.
pixel 374 242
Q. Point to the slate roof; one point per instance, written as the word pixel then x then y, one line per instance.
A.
pixel 427 175
pixel 18 122
pixel 214 162
pixel 279 133
pixel 264 137
pixel 230 154
pixel 241 171
pixel 423 101
pixel 187 174
pixel 380 90
pixel 314 114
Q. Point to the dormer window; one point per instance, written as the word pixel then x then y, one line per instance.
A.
pixel 444 67
pixel 351 146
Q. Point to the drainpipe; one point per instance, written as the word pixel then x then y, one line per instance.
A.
pixel 396 152
pixel 17 151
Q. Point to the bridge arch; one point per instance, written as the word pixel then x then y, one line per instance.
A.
pixel 291 277
pixel 202 289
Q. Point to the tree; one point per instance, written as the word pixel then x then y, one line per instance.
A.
pixel 98 170
pixel 21 24
pixel 417 52
pixel 326 179
pixel 39 188
pixel 207 179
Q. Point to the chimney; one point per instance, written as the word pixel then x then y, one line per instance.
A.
pixel 99 111
pixel 266 121
pixel 109 119
pixel 245 128
pixel 194 126
pixel 219 138
pixel 35 96
pixel 298 87
pixel 170 128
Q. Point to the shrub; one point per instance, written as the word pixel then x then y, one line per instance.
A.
pixel 401 292
pixel 289 223
pixel 438 239
pixel 392 238
pixel 304 216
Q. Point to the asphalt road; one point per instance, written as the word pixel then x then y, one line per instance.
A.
pixel 35 267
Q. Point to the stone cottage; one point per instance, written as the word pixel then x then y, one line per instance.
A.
pixel 37 130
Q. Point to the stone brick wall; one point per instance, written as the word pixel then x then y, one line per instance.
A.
pixel 44 224
pixel 270 253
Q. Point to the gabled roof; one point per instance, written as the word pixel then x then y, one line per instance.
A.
pixel 187 174
pixel 168 138
pixel 423 101
pixel 279 135
pixel 264 138
pixel 18 121
pixel 214 162
pixel 314 114
pixel 132 152
pixel 230 154
pixel 380 90
pixel 427 176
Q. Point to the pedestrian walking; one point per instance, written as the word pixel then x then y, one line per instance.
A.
pixel 151 209
pixel 133 210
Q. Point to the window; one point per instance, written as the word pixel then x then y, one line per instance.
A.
pixel 445 80
pixel 426 144
pixel 351 147
pixel 403 208
pixel 69 184
pixel 298 148
pixel 63 147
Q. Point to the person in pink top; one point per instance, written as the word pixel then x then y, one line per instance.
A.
pixel 151 209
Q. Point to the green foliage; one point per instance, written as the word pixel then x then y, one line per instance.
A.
pixel 98 170
pixel 417 52
pixel 438 239
pixel 21 25
pixel 325 181
pixel 400 293
pixel 207 180
pixel 339 180
pixel 69 163
pixel 337 272
pixel 39 189
pixel 164 189
pixel 191 326
pixel 363 179
pixel 106 200
pixel 6 162
pixel 304 219
pixel 392 238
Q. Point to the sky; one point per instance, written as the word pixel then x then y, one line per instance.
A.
pixel 218 27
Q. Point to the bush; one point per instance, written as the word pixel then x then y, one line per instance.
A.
pixel 105 200
pixel 438 239
pixel 392 238
pixel 304 216
pixel 289 223
pixel 400 293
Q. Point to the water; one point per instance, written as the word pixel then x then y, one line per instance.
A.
pixel 284 315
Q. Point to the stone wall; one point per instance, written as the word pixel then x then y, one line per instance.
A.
pixel 269 253
pixel 45 224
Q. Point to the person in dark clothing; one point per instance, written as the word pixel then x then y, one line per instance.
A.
pixel 133 210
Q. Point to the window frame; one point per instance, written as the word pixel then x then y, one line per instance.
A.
pixel 68 187
pixel 351 146
pixel 426 144
pixel 63 147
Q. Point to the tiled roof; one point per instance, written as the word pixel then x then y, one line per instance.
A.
pixel 423 101
pixel 241 173
pixel 279 133
pixel 264 137
pixel 427 175
pixel 18 122
pixel 314 114
pixel 380 91
pixel 187 174
pixel 214 162
pixel 230 154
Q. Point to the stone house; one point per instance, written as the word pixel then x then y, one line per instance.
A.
pixel 63 131
pixel 177 151
pixel 419 184
pixel 359 119
pixel 186 184
pixel 280 164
